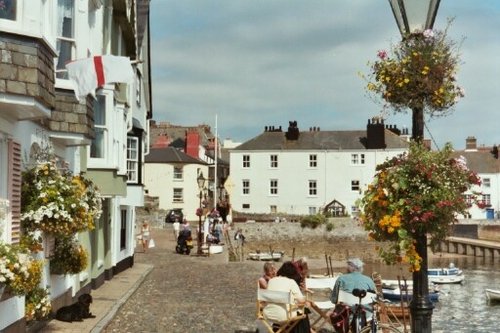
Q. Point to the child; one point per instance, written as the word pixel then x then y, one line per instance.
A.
pixel 269 273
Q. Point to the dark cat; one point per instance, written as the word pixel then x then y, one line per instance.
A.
pixel 76 311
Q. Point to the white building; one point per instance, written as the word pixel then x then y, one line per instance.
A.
pixel 484 161
pixel 171 175
pixel 105 137
pixel 307 172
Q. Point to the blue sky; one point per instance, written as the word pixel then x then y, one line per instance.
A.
pixel 256 63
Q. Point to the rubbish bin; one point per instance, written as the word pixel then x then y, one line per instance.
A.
pixel 490 213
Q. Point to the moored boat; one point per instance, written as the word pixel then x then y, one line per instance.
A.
pixel 492 295
pixel 395 293
pixel 266 256
pixel 444 275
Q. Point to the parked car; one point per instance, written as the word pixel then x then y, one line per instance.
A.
pixel 174 214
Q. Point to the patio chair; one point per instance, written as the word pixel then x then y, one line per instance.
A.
pixel 320 306
pixel 295 313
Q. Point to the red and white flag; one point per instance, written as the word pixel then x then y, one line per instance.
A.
pixel 91 73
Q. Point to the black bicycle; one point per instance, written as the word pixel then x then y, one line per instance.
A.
pixel 361 324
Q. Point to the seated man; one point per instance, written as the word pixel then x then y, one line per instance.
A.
pixel 354 278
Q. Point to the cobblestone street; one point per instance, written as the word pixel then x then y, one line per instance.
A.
pixel 189 293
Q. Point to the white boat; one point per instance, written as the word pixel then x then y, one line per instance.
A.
pixel 492 295
pixel 445 275
pixel 266 256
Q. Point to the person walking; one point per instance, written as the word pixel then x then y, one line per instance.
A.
pixel 177 227
pixel 145 235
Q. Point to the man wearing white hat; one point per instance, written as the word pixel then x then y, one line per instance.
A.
pixel 352 280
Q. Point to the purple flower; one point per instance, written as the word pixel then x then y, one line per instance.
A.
pixel 382 54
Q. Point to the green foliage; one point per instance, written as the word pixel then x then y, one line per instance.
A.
pixel 69 256
pixel 312 221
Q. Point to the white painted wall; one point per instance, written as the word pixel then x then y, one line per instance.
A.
pixel 333 175
pixel 159 182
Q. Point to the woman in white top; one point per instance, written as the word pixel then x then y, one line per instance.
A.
pixel 286 280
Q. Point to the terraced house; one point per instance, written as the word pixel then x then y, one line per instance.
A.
pixel 100 133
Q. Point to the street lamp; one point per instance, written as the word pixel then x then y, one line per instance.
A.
pixel 201 185
pixel 413 17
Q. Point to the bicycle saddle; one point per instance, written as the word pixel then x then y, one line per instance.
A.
pixel 359 292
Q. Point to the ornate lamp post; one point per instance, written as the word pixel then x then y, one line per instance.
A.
pixel 413 16
pixel 201 185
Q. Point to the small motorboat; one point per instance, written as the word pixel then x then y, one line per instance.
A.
pixel 447 275
pixel 266 256
pixel 395 293
pixel 492 295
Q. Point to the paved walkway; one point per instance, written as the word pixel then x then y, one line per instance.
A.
pixel 165 292
pixel 107 300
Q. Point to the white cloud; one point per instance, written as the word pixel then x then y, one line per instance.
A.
pixel 260 62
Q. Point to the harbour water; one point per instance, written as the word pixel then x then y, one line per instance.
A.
pixel 461 307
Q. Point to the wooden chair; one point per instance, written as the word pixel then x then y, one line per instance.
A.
pixel 320 307
pixel 295 313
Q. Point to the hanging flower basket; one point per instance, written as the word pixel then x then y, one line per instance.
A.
pixel 419 72
pixel 56 202
pixel 416 193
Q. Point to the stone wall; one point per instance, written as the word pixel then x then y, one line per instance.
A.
pixel 27 68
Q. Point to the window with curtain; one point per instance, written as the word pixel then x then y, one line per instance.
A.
pixel 98 145
pixel 65 36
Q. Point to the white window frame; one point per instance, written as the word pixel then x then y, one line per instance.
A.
pixel 313 161
pixel 61 73
pixel 313 188
pixel 486 198
pixel 17 24
pixel 246 161
pixel 245 186
pixel 104 160
pixel 177 194
pixel 313 210
pixel 486 182
pixel 132 162
pixel 355 187
pixel 273 209
pixel 273 160
pixel 273 187
pixel 178 175
pixel 357 159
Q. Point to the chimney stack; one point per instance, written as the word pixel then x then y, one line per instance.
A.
pixel 471 143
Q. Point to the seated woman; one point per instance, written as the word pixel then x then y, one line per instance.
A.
pixel 286 280
pixel 303 270
pixel 269 273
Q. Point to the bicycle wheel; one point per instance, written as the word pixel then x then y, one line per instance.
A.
pixel 382 328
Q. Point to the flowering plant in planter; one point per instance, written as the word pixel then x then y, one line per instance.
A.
pixel 420 73
pixel 69 256
pixel 56 202
pixel 419 192
pixel 18 270
pixel 37 305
